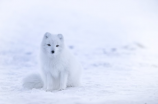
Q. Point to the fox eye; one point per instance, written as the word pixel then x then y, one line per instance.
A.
pixel 48 44
pixel 57 45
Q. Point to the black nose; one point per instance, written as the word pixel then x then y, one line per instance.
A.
pixel 52 51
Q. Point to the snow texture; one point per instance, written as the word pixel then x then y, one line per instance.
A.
pixel 115 41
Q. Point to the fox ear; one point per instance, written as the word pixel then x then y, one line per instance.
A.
pixel 60 36
pixel 47 35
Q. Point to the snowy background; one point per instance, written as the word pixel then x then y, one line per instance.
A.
pixel 115 40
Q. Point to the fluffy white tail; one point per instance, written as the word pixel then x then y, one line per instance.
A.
pixel 33 81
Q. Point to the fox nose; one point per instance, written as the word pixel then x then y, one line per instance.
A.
pixel 53 51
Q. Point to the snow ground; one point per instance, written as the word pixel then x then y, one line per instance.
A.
pixel 116 42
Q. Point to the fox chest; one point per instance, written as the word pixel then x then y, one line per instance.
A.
pixel 55 68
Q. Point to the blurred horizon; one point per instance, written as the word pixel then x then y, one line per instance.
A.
pixel 109 21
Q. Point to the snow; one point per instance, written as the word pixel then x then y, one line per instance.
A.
pixel 115 41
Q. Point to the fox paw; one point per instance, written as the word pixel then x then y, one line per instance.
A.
pixel 60 89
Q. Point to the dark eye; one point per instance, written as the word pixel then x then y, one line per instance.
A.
pixel 48 44
pixel 57 45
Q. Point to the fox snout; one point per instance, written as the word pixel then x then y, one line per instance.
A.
pixel 52 51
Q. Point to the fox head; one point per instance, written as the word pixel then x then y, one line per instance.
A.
pixel 52 44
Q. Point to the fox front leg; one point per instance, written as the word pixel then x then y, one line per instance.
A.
pixel 63 80
pixel 48 82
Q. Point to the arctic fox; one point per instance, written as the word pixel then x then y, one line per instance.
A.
pixel 59 68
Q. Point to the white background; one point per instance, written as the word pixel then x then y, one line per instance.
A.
pixel 115 40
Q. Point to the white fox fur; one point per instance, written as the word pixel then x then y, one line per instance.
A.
pixel 59 68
